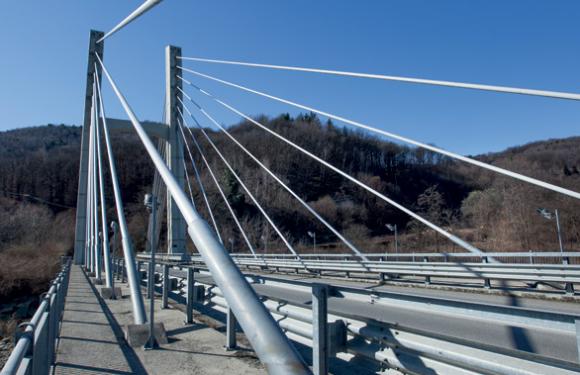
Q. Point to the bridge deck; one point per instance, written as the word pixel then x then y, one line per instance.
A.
pixel 92 340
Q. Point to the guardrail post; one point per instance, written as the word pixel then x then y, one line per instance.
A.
pixel 570 289
pixel 189 296
pixel 427 277
pixel 231 342
pixel 139 273
pixel 165 286
pixel 123 271
pixel 320 329
pixel 486 281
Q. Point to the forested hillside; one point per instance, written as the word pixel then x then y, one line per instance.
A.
pixel 40 165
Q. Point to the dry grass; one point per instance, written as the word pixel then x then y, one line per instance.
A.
pixel 31 257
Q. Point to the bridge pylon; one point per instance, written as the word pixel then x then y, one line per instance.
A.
pixel 81 212
pixel 174 150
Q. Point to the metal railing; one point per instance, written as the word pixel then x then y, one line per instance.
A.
pixel 524 256
pixel 357 322
pixel 34 352
pixel 382 268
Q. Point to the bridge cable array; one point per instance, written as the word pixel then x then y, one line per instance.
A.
pixel 438 150
pixel 218 186
pixel 138 306
pixel 467 246
pixel 200 184
pixel 247 190
pixel 349 244
pixel 269 342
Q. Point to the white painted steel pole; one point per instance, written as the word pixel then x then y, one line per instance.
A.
pixel 271 345
pixel 95 186
pixel 90 215
pixel 148 4
pixel 129 266
pixel 105 235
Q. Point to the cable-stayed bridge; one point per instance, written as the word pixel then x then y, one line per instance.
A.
pixel 299 313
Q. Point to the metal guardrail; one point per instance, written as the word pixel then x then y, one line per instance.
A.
pixel 565 274
pixel 530 256
pixel 34 352
pixel 357 330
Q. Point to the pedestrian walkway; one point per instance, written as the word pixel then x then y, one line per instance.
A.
pixel 92 340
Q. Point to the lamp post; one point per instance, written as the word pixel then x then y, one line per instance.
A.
pixel 312 235
pixel 546 214
pixel 263 238
pixel 393 228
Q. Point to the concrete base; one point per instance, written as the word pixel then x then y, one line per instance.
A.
pixel 138 334
pixel 107 293
pixel 96 281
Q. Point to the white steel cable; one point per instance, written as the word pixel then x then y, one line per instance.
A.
pixel 109 282
pixel 277 179
pixel 258 205
pixel 269 342
pixel 201 188
pixel 139 316
pixel 465 159
pixel 95 186
pixel 89 217
pixel 217 184
pixel 148 4
pixel 189 185
pixel 432 82
pixel 426 222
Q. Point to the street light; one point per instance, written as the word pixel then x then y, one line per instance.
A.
pixel 263 238
pixel 546 214
pixel 393 228
pixel 312 234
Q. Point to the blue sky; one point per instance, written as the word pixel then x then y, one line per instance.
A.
pixel 525 43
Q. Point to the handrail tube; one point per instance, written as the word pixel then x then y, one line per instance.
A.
pixel 39 324
pixel 271 345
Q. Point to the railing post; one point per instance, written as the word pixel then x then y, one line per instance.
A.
pixel 189 296
pixel 231 342
pixel 320 329
pixel 486 281
pixel 123 271
pixel 427 277
pixel 166 286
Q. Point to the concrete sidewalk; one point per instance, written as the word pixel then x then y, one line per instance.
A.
pixel 92 340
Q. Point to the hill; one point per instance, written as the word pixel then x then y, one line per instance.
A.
pixel 492 211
